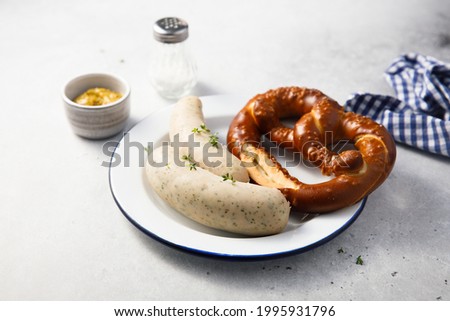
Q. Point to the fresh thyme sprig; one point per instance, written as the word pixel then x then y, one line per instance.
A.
pixel 192 164
pixel 228 177
pixel 201 129
pixel 214 140
pixel 148 150
pixel 359 260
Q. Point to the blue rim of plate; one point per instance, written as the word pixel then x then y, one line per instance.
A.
pixel 241 257
pixel 226 256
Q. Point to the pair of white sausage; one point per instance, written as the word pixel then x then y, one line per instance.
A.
pixel 201 193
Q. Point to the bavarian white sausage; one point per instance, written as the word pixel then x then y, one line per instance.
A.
pixel 187 125
pixel 211 200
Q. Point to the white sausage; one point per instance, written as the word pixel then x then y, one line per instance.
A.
pixel 186 116
pixel 206 198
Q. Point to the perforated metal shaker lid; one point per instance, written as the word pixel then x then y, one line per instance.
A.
pixel 170 30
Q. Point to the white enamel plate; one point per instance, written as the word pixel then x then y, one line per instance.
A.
pixel 154 217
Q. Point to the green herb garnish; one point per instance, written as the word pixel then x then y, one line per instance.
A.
pixel 341 250
pixel 359 260
pixel 214 140
pixel 192 164
pixel 201 129
pixel 228 177
pixel 148 150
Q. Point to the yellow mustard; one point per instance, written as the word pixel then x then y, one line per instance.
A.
pixel 97 97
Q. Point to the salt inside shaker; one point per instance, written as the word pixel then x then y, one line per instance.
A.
pixel 173 72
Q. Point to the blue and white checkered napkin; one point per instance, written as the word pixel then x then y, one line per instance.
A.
pixel 420 115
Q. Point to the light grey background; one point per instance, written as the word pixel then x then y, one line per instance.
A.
pixel 62 236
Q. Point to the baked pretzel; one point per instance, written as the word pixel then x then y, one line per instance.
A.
pixel 357 172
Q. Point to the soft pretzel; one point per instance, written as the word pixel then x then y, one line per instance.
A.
pixel 322 121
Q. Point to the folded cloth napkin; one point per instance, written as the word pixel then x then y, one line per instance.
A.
pixel 420 115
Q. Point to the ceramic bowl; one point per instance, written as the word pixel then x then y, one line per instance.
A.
pixel 96 122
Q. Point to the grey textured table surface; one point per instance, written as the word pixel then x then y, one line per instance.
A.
pixel 63 237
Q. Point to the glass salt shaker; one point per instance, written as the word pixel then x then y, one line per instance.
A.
pixel 173 72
